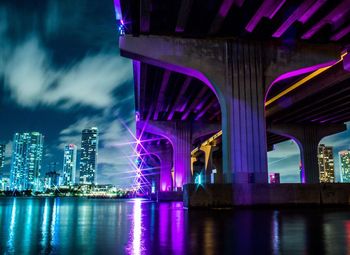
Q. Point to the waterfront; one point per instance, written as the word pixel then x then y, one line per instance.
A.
pixel 91 226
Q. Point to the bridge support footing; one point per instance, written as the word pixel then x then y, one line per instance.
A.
pixel 228 195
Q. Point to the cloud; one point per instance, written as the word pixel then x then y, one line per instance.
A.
pixel 32 80
pixel 284 150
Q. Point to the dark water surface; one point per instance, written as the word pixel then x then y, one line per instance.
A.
pixel 89 226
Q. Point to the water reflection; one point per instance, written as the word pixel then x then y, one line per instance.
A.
pixel 135 246
pixel 88 226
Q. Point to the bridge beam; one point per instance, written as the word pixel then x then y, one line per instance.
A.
pixel 209 163
pixel 307 137
pixel 238 72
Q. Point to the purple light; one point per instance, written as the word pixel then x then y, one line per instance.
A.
pixel 136 245
pixel 310 12
pixel 334 17
pixel 292 18
pixel 297 73
pixel 346 62
pixel 341 34
pixel 268 9
pixel 225 7
pixel 118 11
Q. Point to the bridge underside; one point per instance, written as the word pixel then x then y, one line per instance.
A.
pixel 240 71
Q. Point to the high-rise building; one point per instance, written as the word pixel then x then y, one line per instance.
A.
pixel 344 161
pixel 2 159
pixel 69 164
pixel 326 163
pixel 26 160
pixel 88 158
pixel 274 178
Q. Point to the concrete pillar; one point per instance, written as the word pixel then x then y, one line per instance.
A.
pixel 182 154
pixel 307 137
pixel 209 164
pixel 243 120
pixel 166 164
pixel 193 159
pixel 165 155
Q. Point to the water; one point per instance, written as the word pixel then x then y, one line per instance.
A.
pixel 89 226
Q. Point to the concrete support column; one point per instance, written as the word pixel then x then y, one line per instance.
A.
pixel 182 154
pixel 193 159
pixel 208 154
pixel 243 120
pixel 166 164
pixel 307 137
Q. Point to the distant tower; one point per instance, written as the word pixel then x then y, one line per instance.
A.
pixel 326 163
pixel 26 160
pixel 344 161
pixel 88 159
pixel 2 159
pixel 69 164
pixel 274 178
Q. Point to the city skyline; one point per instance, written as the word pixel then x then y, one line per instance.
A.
pixel 74 159
pixel 58 89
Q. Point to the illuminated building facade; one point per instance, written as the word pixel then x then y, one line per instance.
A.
pixel 344 161
pixel 26 160
pixel 326 163
pixel 89 152
pixel 274 178
pixel 69 164
pixel 2 158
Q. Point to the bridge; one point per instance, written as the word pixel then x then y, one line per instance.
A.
pixel 226 80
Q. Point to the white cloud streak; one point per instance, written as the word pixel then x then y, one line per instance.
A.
pixel 31 79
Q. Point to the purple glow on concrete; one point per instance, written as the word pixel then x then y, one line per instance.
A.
pixel 292 18
pixel 118 10
pixel 175 68
pixel 210 104
pixel 346 62
pixel 225 7
pixel 268 9
pixel 297 73
pixel 311 11
pixel 278 7
pixel 341 34
pixel 334 18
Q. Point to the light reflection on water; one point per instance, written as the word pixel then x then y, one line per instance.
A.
pixel 136 227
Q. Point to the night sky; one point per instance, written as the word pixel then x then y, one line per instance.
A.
pixel 60 72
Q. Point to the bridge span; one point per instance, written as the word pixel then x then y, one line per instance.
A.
pixel 250 73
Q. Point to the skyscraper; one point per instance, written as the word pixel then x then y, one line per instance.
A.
pixel 326 163
pixel 69 164
pixel 88 158
pixel 344 161
pixel 2 158
pixel 26 160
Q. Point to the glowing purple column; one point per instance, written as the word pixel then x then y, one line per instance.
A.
pixel 165 170
pixel 182 155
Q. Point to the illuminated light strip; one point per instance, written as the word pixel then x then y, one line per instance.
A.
pixel 208 141
pixel 302 81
